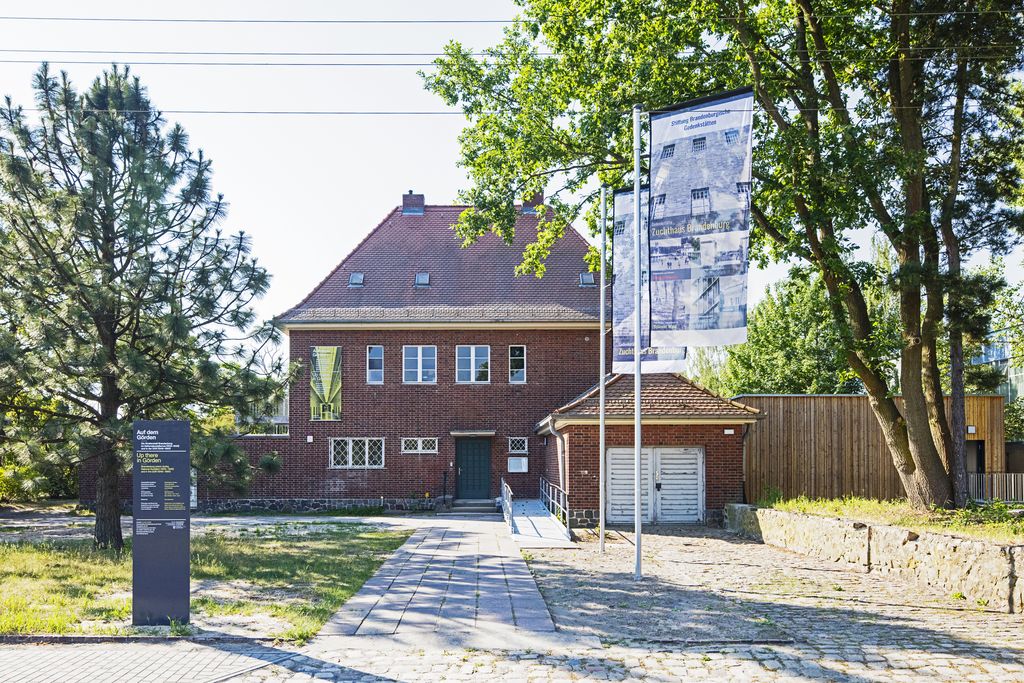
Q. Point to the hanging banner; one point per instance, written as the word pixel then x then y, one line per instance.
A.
pixel 700 221
pixel 652 360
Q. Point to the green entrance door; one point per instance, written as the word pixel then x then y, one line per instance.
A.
pixel 473 459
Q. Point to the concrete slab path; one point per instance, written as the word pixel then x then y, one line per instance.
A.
pixel 457 580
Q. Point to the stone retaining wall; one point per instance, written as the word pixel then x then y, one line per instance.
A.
pixel 987 574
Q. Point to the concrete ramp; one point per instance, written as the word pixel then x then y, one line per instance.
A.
pixel 534 527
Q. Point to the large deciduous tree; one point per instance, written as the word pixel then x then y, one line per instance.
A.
pixel 792 347
pixel 120 298
pixel 901 118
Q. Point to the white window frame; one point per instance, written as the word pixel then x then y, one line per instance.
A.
pixel 702 141
pixel 348 452
pixel 522 464
pixel 375 346
pixel 516 346
pixel 420 448
pixel 526 445
pixel 419 363
pixel 472 363
pixel 705 201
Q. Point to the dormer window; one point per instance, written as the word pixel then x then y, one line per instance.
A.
pixel 355 279
pixel 422 280
pixel 587 279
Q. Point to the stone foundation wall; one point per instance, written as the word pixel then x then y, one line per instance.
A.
pixel 583 519
pixel 588 518
pixel 314 504
pixel 987 574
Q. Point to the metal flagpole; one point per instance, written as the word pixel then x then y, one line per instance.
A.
pixel 637 306
pixel 601 464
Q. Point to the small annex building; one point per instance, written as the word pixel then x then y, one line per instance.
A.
pixel 692 457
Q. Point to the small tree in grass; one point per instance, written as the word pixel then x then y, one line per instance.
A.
pixel 120 298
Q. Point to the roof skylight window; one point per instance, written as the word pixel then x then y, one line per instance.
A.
pixel 587 279
pixel 422 280
pixel 355 279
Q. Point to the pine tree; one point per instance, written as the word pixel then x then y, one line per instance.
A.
pixel 120 298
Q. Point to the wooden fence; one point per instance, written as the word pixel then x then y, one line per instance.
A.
pixel 829 446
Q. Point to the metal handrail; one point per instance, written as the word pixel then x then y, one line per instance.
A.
pixel 506 504
pixel 556 501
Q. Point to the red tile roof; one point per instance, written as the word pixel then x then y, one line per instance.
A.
pixel 476 283
pixel 662 395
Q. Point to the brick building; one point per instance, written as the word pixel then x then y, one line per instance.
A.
pixel 425 369
pixel 691 463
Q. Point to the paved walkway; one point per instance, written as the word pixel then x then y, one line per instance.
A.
pixel 448 584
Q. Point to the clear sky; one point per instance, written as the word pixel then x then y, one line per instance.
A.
pixel 306 188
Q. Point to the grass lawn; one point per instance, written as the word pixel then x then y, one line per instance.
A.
pixel 297 577
pixel 990 522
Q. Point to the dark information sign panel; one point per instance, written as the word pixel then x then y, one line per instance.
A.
pixel 160 540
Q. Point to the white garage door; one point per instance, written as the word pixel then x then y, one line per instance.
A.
pixel 681 494
pixel 677 487
pixel 620 485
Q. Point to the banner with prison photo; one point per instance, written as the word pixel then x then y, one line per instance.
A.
pixel 652 360
pixel 700 215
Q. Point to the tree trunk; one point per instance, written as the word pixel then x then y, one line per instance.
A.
pixel 958 418
pixel 107 533
pixel 925 486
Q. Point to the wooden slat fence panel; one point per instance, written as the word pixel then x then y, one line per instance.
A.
pixel 832 446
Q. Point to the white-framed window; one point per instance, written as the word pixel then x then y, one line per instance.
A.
pixel 518 464
pixel 517 364
pixel 659 205
pixel 668 151
pixel 519 444
pixel 357 453
pixel 743 194
pixel 473 364
pixel 419 364
pixel 414 444
pixel 700 144
pixel 700 201
pixel 375 364
pixel 732 136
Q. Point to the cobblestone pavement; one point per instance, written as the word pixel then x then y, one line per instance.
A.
pixel 711 608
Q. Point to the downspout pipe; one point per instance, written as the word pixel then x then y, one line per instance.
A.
pixel 563 466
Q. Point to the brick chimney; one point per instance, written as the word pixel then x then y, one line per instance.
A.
pixel 412 204
pixel 530 205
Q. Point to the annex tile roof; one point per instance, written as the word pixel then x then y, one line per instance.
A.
pixel 472 284
pixel 661 395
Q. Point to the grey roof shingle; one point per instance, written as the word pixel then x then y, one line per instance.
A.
pixel 475 284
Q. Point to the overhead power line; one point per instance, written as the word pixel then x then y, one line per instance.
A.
pixel 880 49
pixel 193 20
pixel 396 112
pixel 205 20
pixel 134 62
pixel 201 53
